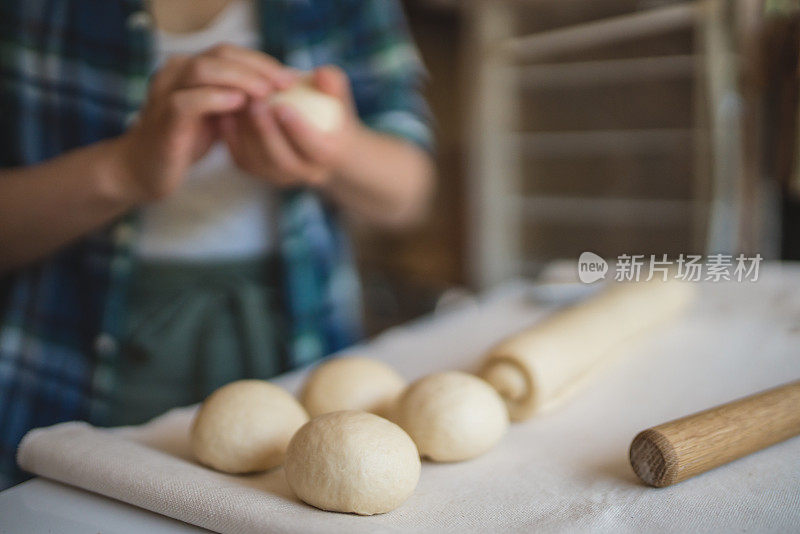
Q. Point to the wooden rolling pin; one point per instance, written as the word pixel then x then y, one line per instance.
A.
pixel 680 449
pixel 540 367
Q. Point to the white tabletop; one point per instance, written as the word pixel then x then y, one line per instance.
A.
pixel 44 506
pixel 570 467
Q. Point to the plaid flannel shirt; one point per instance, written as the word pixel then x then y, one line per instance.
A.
pixel 73 72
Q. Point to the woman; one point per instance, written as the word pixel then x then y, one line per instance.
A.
pixel 161 235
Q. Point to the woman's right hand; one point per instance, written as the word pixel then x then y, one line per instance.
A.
pixel 175 127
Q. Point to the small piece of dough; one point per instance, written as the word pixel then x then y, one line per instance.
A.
pixel 353 462
pixel 245 426
pixel 352 383
pixel 452 416
pixel 539 367
pixel 321 110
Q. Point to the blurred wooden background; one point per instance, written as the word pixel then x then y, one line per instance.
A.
pixel 613 140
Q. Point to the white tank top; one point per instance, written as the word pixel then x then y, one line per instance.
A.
pixel 219 212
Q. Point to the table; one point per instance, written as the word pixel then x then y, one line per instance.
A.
pixel 566 470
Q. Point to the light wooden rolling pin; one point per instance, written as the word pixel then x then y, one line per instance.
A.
pixel 680 449
pixel 538 368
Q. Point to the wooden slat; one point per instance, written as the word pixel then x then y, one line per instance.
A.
pixel 606 211
pixel 602 32
pixel 598 142
pixel 493 172
pixel 593 73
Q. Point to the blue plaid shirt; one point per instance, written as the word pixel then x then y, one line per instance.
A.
pixel 72 72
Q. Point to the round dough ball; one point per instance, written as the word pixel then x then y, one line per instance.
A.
pixel 353 462
pixel 245 426
pixel 452 416
pixel 352 383
pixel 321 110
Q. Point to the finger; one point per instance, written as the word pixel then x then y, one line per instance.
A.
pixel 231 136
pixel 165 79
pixel 251 150
pixel 278 149
pixel 332 80
pixel 312 145
pixel 199 102
pixel 201 71
pixel 281 76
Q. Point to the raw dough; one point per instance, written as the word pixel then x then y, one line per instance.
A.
pixel 353 462
pixel 538 368
pixel 245 426
pixel 322 111
pixel 352 383
pixel 452 416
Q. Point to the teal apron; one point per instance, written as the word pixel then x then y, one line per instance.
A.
pixel 192 327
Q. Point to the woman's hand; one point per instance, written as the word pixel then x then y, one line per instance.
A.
pixel 175 127
pixel 277 145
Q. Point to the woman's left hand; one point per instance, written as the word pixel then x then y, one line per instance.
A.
pixel 275 143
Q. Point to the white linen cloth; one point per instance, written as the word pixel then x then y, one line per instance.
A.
pixel 563 471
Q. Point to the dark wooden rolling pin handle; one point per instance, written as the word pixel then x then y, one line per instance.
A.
pixel 680 449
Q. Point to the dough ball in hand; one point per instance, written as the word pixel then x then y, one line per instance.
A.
pixel 353 462
pixel 352 383
pixel 322 111
pixel 452 416
pixel 245 426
